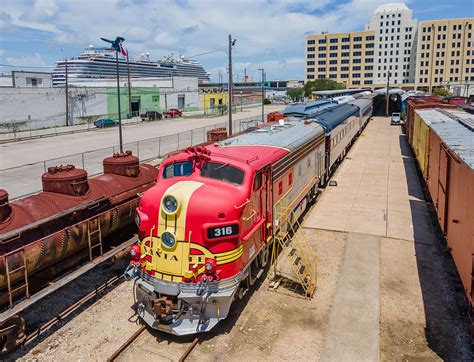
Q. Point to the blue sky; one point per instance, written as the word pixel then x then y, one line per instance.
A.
pixel 270 33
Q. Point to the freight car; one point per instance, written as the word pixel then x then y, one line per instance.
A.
pixel 444 147
pixel 61 226
pixel 206 227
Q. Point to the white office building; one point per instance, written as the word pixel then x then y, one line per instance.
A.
pixel 395 43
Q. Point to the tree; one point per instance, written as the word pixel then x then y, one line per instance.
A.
pixel 295 94
pixel 266 101
pixel 441 91
pixel 13 126
pixel 320 85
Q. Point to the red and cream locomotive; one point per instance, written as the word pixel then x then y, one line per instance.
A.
pixel 206 227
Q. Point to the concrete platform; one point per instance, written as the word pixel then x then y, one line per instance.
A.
pixel 378 191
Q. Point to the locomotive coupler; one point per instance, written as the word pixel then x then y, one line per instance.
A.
pixel 163 307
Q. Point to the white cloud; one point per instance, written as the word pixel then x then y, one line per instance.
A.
pixel 2 52
pixel 42 10
pixel 26 61
pixel 269 33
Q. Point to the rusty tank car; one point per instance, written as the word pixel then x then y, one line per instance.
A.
pixel 66 223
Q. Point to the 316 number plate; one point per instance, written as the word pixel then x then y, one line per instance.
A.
pixel 222 231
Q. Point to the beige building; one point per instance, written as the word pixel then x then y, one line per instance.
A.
pixel 346 58
pixel 445 54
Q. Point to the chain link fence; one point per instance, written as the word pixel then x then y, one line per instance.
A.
pixel 26 179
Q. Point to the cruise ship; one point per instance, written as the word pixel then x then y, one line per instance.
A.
pixel 99 63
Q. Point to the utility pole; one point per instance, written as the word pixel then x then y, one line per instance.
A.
pixel 229 85
pixel 118 102
pixel 245 75
pixel 129 89
pixel 241 101
pixel 387 97
pixel 263 92
pixel 67 96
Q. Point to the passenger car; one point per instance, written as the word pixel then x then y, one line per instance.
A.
pixel 105 122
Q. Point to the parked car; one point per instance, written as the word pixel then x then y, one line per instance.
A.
pixel 151 116
pixel 105 122
pixel 395 119
pixel 173 113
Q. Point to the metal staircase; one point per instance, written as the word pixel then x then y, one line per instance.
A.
pixel 293 260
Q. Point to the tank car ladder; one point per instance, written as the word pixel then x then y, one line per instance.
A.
pixel 90 236
pixel 297 258
pixel 9 274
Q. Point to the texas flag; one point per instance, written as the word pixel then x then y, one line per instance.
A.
pixel 122 49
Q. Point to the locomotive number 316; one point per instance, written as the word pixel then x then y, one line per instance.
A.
pixel 222 231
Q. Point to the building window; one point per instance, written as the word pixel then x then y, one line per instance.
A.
pixel 321 69
pixel 345 47
pixel 321 76
pixel 333 62
pixel 356 60
pixel 357 38
pixel 356 67
pixel 370 37
pixel 345 54
pixel 357 46
pixel 322 49
pixel 356 75
pixel 356 82
pixel 345 61
pixel 344 69
pixel 332 76
pixel 369 52
pixel 310 70
pixel 333 69
pixel 346 40
pixel 310 49
pixel 333 47
pixel 310 76
pixel 369 45
pixel 344 75
pixel 321 62
pixel 311 42
pixel 334 40
pixel 333 55
pixel 322 41
pixel 357 54
pixel 369 67
pixel 369 60
pixel 311 62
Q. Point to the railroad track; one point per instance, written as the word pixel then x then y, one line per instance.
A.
pixel 134 337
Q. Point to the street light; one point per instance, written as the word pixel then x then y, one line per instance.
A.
pixel 117 46
pixel 263 91
pixel 229 85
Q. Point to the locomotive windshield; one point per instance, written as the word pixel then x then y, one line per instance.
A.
pixel 223 172
pixel 178 169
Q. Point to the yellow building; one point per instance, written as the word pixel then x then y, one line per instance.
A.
pixel 212 99
pixel 346 58
pixel 445 53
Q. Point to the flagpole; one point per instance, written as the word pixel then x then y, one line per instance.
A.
pixel 129 89
pixel 118 102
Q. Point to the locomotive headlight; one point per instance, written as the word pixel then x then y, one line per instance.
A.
pixel 168 240
pixel 170 204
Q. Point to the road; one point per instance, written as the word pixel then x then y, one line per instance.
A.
pixel 22 163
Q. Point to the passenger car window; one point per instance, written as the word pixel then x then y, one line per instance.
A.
pixel 178 169
pixel 223 172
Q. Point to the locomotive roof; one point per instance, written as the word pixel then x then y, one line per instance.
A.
pixel 361 102
pixel 303 109
pixel 332 117
pixel 455 129
pixel 291 135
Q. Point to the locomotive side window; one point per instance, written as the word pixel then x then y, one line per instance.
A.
pixel 178 169
pixel 223 172
pixel 257 181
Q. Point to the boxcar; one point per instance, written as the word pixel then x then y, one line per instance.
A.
pixel 450 180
